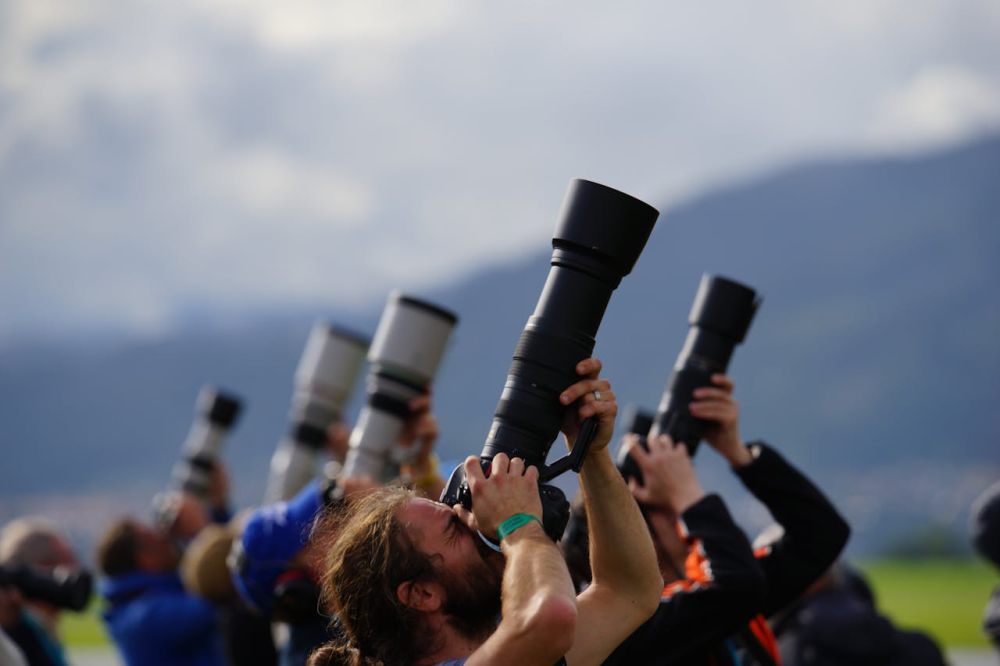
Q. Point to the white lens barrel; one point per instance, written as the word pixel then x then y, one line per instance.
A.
pixel 204 440
pixel 216 412
pixel 293 466
pixel 371 444
pixel 411 338
pixel 409 344
pixel 326 374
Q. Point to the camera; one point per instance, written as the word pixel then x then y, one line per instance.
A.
pixel 62 587
pixel 326 374
pixel 597 241
pixel 216 412
pixel 720 318
pixel 636 421
pixel 408 346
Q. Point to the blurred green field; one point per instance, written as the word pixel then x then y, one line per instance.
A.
pixel 85 629
pixel 946 598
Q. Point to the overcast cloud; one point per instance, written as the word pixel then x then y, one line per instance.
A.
pixel 233 155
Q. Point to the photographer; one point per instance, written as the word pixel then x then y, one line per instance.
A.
pixel 719 592
pixel 33 624
pixel 182 515
pixel 276 567
pixel 150 616
pixel 412 582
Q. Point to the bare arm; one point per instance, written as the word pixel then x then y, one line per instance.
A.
pixel 538 615
pixel 626 580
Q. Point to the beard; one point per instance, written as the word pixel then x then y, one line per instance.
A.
pixel 473 595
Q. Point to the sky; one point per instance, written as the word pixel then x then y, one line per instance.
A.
pixel 210 158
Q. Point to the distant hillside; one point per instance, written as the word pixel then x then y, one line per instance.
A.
pixel 876 348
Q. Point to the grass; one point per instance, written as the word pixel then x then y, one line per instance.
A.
pixel 945 598
pixel 84 629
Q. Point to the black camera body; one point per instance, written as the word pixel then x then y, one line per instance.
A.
pixel 63 588
pixel 720 317
pixel 597 241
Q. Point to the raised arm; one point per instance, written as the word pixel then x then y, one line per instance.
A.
pixel 719 585
pixel 539 610
pixel 814 532
pixel 626 582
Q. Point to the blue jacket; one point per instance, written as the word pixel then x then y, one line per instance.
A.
pixel 154 622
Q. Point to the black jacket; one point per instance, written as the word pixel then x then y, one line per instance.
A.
pixel 726 584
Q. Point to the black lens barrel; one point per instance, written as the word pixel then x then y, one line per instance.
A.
pixel 219 407
pixel 61 588
pixel 720 317
pixel 597 241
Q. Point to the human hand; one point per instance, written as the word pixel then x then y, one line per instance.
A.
pixel 669 481
pixel 218 487
pixel 509 489
pixel 421 431
pixel 585 393
pixel 716 404
pixel 338 437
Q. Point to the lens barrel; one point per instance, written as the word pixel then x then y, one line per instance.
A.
pixel 597 242
pixel 409 343
pixel 216 412
pixel 720 317
pixel 635 421
pixel 62 587
pixel 324 378
pixel 598 239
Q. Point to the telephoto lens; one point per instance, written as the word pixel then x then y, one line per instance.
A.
pixel 216 412
pixel 635 421
pixel 405 354
pixel 597 241
pixel 720 318
pixel 62 587
pixel 326 375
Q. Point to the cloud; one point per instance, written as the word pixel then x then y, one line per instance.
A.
pixel 940 104
pixel 235 156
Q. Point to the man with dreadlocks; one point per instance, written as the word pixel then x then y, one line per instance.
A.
pixel 411 582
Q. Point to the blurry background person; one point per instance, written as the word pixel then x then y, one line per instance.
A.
pixel 36 543
pixel 276 567
pixel 182 514
pixel 836 623
pixel 150 616
pixel 985 521
pixel 204 570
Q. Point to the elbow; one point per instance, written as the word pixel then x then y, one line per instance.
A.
pixel 842 533
pixel 550 624
pixel 649 599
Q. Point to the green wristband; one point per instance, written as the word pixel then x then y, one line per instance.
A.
pixel 514 523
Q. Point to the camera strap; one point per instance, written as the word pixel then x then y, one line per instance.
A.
pixel 574 460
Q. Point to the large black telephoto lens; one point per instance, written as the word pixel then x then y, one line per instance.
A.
pixel 720 318
pixel 62 587
pixel 596 243
pixel 216 413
